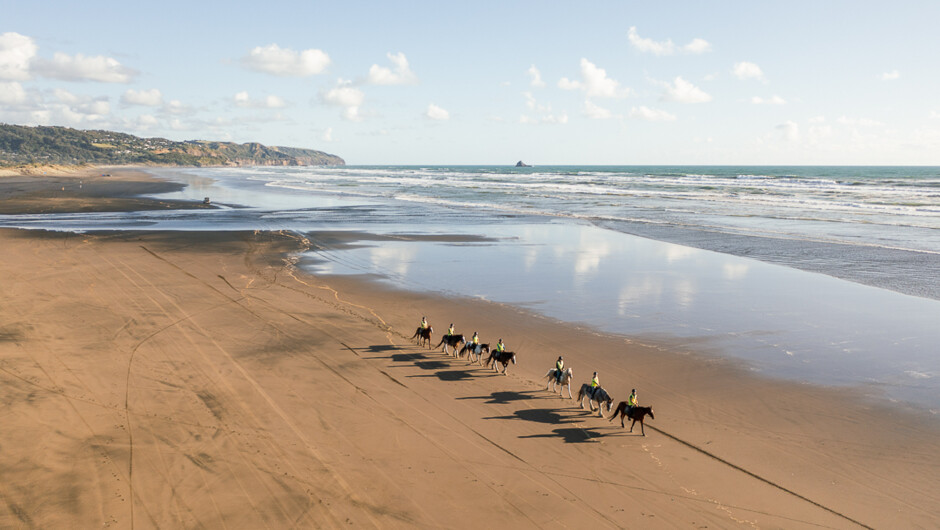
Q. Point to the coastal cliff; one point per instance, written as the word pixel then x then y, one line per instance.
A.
pixel 22 145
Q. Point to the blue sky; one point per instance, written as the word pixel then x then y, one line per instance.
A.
pixel 827 82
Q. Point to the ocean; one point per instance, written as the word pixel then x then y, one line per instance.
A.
pixel 824 275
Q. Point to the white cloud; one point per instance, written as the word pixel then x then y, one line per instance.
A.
pixel 437 113
pixel 818 119
pixel 682 91
pixel 536 77
pixel 402 75
pixel 890 76
pixel 790 131
pixel 146 121
pixel 566 84
pixel 145 98
pixel 697 46
pixel 16 52
pixel 327 135
pixel 648 114
pixel 242 100
pixel 594 82
pixel 346 96
pixel 595 112
pixel 745 70
pixel 935 115
pixel 11 93
pixel 272 59
pixel 858 122
pixel 84 68
pixel 544 111
pixel 177 107
pixel 647 45
pixel 773 100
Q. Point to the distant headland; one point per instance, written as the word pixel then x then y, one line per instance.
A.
pixel 522 164
pixel 23 146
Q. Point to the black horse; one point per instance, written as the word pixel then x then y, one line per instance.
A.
pixel 423 335
pixel 503 357
pixel 634 413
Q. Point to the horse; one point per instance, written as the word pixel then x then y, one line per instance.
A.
pixel 636 414
pixel 596 395
pixel 423 335
pixel 565 380
pixel 473 350
pixel 452 341
pixel 503 357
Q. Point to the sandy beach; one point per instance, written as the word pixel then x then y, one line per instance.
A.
pixel 196 379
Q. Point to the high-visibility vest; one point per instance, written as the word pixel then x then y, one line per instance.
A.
pixel 476 340
pixel 631 400
pixel 500 347
pixel 594 383
pixel 560 365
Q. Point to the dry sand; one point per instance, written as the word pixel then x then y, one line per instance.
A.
pixel 199 380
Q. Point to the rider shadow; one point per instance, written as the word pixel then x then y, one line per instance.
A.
pixel 431 365
pixel 402 357
pixel 448 375
pixel 504 397
pixel 379 348
pixel 549 416
pixel 570 435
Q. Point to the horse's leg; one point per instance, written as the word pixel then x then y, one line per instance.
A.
pixel 634 423
pixel 642 429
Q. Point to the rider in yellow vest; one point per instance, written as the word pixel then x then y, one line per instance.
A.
pixel 450 330
pixel 559 368
pixel 476 339
pixel 500 347
pixel 631 401
pixel 594 382
pixel 424 323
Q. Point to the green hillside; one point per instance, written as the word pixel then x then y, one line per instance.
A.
pixel 21 145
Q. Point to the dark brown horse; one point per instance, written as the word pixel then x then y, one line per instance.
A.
pixel 503 357
pixel 423 335
pixel 636 414
pixel 452 341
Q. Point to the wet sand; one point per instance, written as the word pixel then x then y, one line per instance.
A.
pixel 199 379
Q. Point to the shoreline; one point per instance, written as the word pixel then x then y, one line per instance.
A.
pixel 206 361
pixel 754 450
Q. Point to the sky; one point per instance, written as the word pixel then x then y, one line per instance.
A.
pixel 546 82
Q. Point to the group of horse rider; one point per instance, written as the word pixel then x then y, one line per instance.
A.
pixel 474 340
pixel 559 364
pixel 560 370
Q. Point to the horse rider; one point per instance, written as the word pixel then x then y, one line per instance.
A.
pixel 500 347
pixel 474 342
pixel 631 402
pixel 594 384
pixel 559 367
pixel 424 323
pixel 450 330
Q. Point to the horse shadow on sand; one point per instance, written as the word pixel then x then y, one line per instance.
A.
pixel 504 397
pixel 571 435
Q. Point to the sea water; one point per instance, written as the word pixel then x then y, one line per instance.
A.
pixel 722 265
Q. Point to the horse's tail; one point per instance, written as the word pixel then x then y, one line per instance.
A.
pixel 620 408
